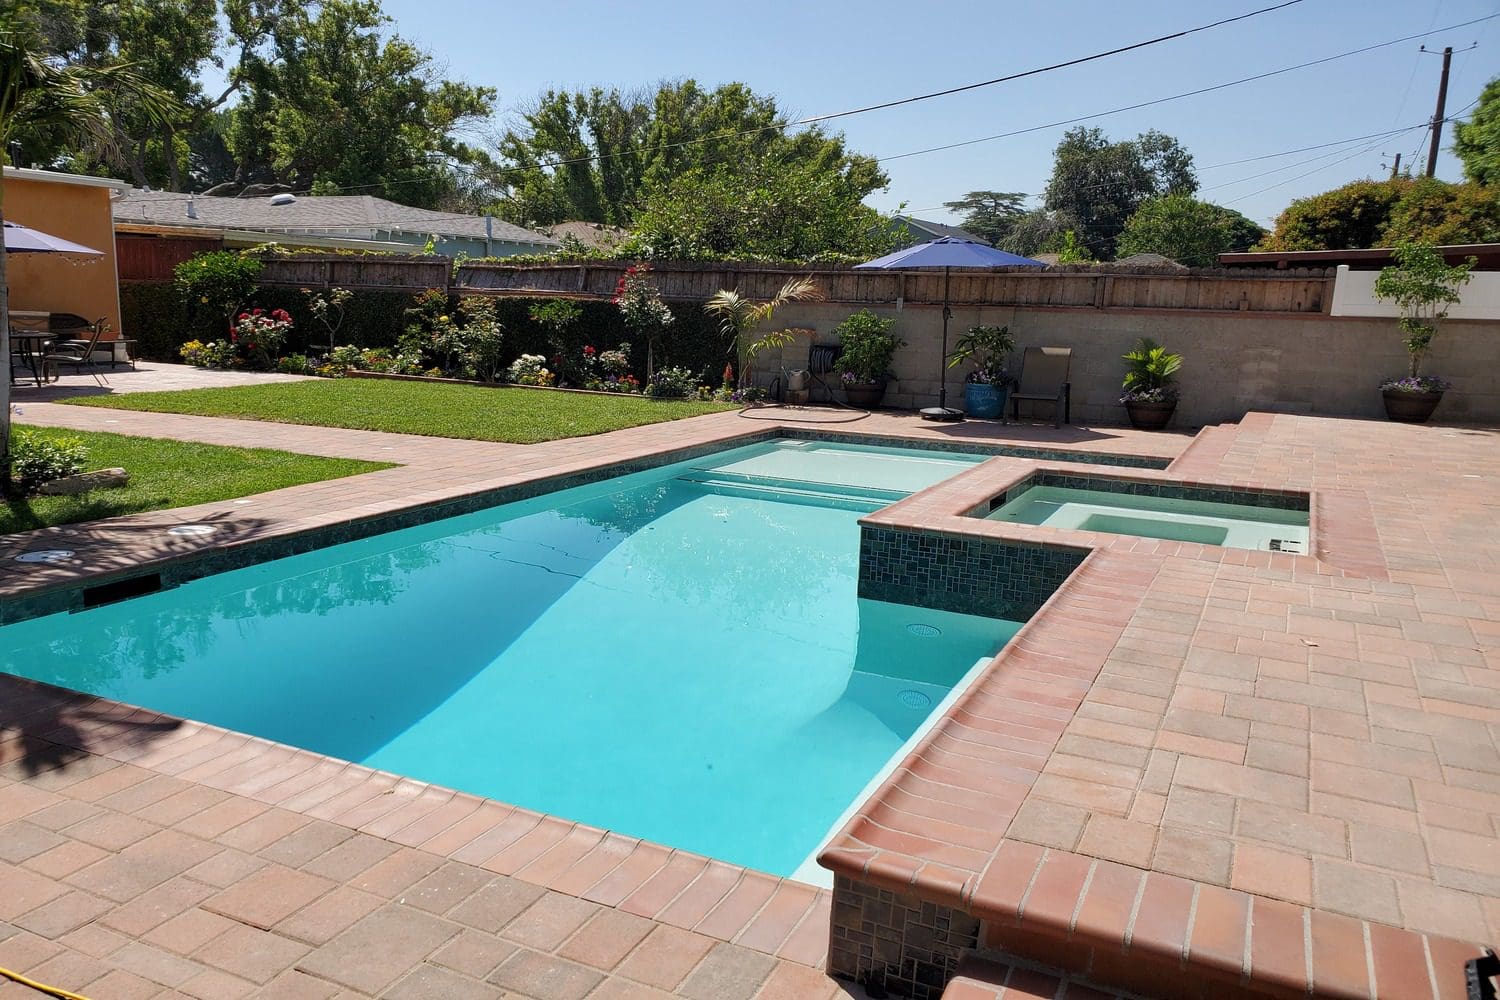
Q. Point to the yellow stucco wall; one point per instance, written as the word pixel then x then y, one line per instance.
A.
pixel 64 282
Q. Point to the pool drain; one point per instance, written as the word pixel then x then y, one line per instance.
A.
pixel 45 556
pixel 913 698
pixel 925 631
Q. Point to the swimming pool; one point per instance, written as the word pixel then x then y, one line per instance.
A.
pixel 677 655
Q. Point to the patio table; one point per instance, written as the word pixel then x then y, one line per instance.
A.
pixel 32 347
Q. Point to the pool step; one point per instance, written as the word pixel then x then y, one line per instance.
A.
pixel 785 491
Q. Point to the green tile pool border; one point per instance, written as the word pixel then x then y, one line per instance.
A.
pixel 1270 499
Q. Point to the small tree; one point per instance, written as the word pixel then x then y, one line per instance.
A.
pixel 738 316
pixel 328 309
pixel 1422 286
pixel 641 305
pixel 217 284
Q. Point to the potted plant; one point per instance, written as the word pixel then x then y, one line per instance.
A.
pixel 1150 395
pixel 868 346
pixel 1422 286
pixel 988 384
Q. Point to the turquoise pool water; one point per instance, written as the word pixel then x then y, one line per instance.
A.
pixel 1233 525
pixel 666 654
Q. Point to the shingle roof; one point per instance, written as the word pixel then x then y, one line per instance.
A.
pixel 330 215
pixel 939 230
pixel 590 234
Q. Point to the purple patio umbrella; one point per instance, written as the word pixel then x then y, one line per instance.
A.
pixel 947 253
pixel 24 239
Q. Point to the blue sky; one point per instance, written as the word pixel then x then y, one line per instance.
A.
pixel 818 58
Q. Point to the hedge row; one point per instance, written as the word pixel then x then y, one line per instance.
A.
pixel 159 319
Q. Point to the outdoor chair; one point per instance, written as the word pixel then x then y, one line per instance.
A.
pixel 1044 378
pixel 80 352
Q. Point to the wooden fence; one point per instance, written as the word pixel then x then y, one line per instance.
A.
pixel 1291 292
pixel 384 272
pixel 1218 289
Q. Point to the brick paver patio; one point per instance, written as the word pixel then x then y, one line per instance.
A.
pixel 1278 770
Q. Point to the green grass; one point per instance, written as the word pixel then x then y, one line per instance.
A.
pixel 167 474
pixel 516 416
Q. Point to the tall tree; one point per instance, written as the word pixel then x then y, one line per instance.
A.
pixel 1187 230
pixel 38 95
pixel 771 211
pixel 1476 142
pixel 597 156
pixel 169 44
pixel 332 106
pixel 1099 184
pixel 989 214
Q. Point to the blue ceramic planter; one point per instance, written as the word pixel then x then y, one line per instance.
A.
pixel 984 401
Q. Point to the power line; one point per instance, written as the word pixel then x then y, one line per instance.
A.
pixel 1271 187
pixel 1321 145
pixel 1178 97
pixel 1047 69
pixel 887 104
pixel 1312 159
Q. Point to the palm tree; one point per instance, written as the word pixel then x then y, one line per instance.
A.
pixel 37 92
pixel 738 316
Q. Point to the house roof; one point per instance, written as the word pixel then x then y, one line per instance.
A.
pixel 58 177
pixel 330 215
pixel 591 234
pixel 1148 260
pixel 938 229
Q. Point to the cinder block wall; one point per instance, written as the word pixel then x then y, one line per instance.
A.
pixel 1314 364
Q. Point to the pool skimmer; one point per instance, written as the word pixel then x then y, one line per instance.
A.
pixel 45 556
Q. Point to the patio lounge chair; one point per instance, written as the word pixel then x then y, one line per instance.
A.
pixel 1044 378
pixel 78 353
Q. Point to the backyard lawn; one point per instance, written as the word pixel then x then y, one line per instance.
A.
pixel 516 416
pixel 167 474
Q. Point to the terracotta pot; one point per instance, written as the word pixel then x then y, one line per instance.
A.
pixel 1410 407
pixel 865 395
pixel 1150 416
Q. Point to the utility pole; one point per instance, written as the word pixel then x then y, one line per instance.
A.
pixel 1437 117
pixel 1396 167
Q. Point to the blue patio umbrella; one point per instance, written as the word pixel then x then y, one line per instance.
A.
pixel 947 253
pixel 24 239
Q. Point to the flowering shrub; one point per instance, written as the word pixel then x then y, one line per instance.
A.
pixel 868 347
pixel 295 364
pixel 214 354
pixel 1417 383
pixel 373 359
pixel 261 335
pixel 639 301
pixel 616 362
pixel 36 459
pixel 672 383
pixel 990 373
pixel 529 369
pixel 1156 394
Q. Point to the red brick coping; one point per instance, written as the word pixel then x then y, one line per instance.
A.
pixel 771 915
pixel 935 830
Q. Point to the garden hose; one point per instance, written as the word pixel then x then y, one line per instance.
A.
pixel 776 390
pixel 51 991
